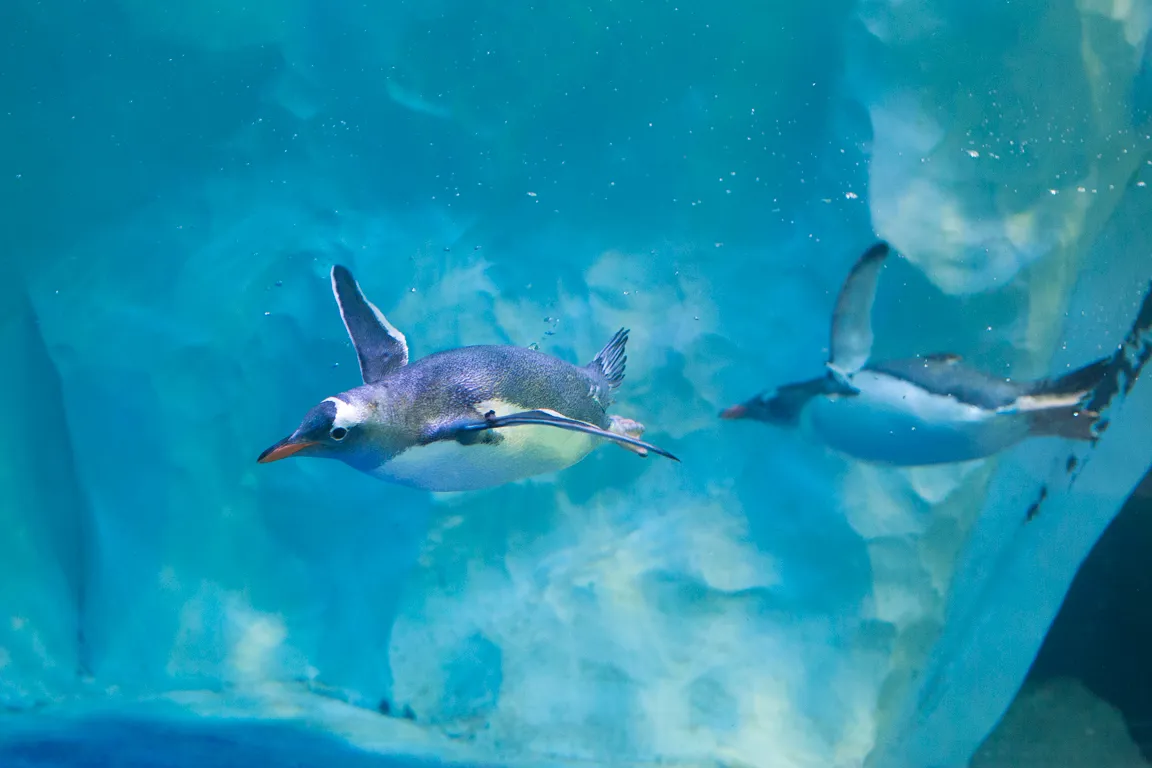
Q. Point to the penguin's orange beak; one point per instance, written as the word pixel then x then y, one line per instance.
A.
pixel 735 412
pixel 285 448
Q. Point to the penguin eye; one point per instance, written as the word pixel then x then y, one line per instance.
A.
pixel 338 433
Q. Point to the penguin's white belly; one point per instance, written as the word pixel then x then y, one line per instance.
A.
pixel 894 422
pixel 523 451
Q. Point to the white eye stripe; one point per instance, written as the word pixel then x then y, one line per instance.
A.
pixel 347 415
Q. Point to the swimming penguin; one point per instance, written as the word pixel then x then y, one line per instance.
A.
pixel 461 419
pixel 924 410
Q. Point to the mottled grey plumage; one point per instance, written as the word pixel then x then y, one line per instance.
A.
pixel 429 399
pixel 464 418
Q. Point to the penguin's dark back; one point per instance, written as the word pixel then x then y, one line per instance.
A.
pixel 456 380
pixel 966 384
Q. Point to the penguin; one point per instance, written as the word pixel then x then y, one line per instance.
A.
pixel 460 419
pixel 927 410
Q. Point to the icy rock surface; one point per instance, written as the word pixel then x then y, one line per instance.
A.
pixel 764 604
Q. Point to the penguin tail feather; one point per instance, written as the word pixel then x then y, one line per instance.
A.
pixel 1061 403
pixel 609 362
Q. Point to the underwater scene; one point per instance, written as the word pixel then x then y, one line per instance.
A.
pixel 508 383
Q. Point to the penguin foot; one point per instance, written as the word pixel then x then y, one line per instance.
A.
pixel 628 428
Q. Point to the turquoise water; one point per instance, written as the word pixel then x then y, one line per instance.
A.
pixel 177 182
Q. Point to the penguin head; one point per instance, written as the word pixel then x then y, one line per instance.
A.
pixel 773 407
pixel 334 429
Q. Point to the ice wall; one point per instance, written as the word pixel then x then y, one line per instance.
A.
pixel 44 518
pixel 1009 188
pixel 702 175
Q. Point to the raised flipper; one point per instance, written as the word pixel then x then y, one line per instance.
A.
pixel 380 348
pixel 851 342
pixel 549 418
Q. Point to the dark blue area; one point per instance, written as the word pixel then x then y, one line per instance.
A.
pixel 142 743
pixel 1103 632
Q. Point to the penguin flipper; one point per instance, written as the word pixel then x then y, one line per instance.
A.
pixel 549 418
pixel 851 342
pixel 380 347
